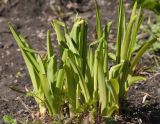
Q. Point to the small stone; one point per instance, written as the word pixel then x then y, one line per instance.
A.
pixel 9 45
pixel 8 52
pixel 2 55
pixel 135 87
pixel 1 45
pixel 1 69
pixel 12 64
pixel 15 81
pixel 11 76
pixel 18 50
pixel 109 3
pixel 41 34
pixel 21 69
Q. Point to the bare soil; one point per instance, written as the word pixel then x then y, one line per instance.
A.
pixel 32 18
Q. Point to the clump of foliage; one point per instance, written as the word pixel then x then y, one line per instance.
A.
pixel 153 5
pixel 82 81
pixel 152 28
pixel 9 120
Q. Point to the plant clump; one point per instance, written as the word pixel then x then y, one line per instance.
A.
pixel 82 81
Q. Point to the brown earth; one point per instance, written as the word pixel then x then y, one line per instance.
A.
pixel 32 18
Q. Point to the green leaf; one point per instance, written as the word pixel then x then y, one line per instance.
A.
pixel 134 79
pixel 57 27
pixel 82 82
pixel 71 86
pixel 52 72
pixel 60 78
pixel 9 120
pixel 120 31
pixel 113 91
pixel 95 77
pixel 72 46
pixel 141 51
pixel 112 56
pixel 153 5
pixel 106 32
pixel 22 44
pixel 115 86
pixel 101 83
pixel 135 29
pixel 32 66
pixel 156 47
pixel 74 34
pixel 52 103
pixel 115 70
pixel 49 45
pixel 126 42
pixel 98 21
pixel 112 109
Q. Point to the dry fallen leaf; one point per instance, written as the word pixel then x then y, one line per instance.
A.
pixel 144 98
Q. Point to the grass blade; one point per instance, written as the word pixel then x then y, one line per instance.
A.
pixel 120 31
pixel 49 45
pixel 98 21
pixel 141 51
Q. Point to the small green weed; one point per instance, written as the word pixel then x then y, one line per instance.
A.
pixel 7 119
pixel 153 28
